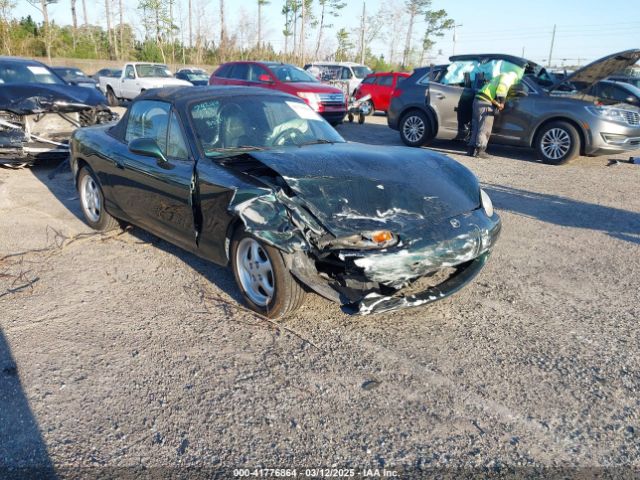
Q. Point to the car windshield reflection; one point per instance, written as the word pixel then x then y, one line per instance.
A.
pixel 256 123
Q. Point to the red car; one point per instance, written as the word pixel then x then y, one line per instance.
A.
pixel 380 86
pixel 328 101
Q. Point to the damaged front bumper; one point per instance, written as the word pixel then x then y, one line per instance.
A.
pixel 44 134
pixel 418 271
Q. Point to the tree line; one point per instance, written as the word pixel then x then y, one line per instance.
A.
pixel 199 32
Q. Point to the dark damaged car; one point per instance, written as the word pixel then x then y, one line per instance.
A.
pixel 257 179
pixel 39 111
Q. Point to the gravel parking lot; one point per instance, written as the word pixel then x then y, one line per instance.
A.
pixel 121 350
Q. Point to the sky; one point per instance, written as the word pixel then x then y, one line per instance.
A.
pixel 585 29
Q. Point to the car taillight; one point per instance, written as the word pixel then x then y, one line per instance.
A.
pixel 396 93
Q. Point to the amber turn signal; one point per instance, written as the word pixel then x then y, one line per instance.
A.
pixel 381 236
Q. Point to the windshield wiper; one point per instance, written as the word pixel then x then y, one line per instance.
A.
pixel 318 141
pixel 238 148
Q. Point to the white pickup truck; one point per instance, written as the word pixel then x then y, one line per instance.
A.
pixel 136 78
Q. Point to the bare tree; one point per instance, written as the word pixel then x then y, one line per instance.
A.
pixel 107 9
pixel 6 7
pixel 223 32
pixel 122 47
pixel 302 22
pixel 43 7
pixel 84 13
pixel 414 9
pixel 190 25
pixel 328 8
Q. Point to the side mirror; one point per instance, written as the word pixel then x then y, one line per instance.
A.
pixel 265 78
pixel 631 99
pixel 147 147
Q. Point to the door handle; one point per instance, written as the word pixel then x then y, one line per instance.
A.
pixel 440 96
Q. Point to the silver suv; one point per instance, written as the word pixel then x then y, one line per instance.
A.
pixel 557 118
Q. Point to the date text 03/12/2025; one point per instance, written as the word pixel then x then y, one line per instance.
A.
pixel 315 472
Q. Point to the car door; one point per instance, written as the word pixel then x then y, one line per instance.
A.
pixel 445 100
pixel 156 194
pixel 239 74
pixel 257 77
pixel 128 87
pixel 384 86
pixel 512 125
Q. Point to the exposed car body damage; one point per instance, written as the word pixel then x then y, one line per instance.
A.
pixel 311 209
pixel 36 121
pixel 372 228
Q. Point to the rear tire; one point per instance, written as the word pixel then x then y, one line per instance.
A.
pixel 112 100
pixel 416 129
pixel 557 142
pixel 92 202
pixel 266 284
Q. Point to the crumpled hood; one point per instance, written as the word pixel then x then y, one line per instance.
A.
pixel 352 187
pixel 32 98
pixel 587 76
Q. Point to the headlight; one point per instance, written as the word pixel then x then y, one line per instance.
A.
pixel 374 240
pixel 613 114
pixel 486 203
pixel 312 99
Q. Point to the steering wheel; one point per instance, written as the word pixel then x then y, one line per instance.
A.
pixel 286 137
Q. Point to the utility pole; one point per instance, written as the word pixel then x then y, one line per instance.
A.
pixel 553 38
pixel 362 28
pixel 522 52
pixel 454 37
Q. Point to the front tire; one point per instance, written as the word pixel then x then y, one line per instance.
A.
pixel 557 143
pixel 266 284
pixel 92 202
pixel 415 129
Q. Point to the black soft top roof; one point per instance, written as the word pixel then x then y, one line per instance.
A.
pixel 188 94
pixel 184 96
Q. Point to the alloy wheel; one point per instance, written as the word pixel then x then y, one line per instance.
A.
pixel 413 128
pixel 255 271
pixel 91 198
pixel 555 143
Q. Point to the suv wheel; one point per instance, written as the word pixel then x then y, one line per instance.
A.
pixel 415 129
pixel 557 143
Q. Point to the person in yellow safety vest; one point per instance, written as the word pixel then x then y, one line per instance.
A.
pixel 487 103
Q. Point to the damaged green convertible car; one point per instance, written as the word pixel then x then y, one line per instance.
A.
pixel 257 179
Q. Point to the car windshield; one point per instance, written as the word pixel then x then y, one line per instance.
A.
pixel 240 123
pixel 70 72
pixel 291 74
pixel 12 73
pixel 194 77
pixel 153 71
pixel 361 72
